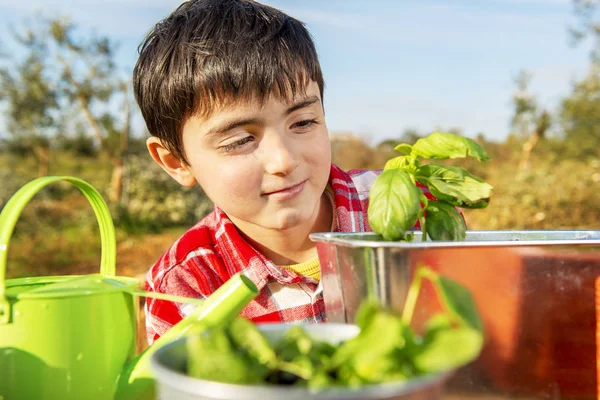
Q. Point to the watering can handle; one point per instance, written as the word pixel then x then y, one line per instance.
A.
pixel 12 211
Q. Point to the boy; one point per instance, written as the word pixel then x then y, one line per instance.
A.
pixel 232 94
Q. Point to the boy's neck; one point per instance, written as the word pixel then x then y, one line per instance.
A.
pixel 293 245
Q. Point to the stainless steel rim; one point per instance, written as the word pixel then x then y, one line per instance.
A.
pixel 216 390
pixel 169 378
pixel 482 238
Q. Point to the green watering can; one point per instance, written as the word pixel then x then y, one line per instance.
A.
pixel 74 337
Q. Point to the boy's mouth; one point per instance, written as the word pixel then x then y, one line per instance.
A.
pixel 287 192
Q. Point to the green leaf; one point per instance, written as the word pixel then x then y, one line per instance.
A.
pixel 454 185
pixel 444 222
pixel 436 323
pixel 348 378
pixel 394 204
pixel 300 366
pixel 381 352
pixel 302 356
pixel 396 162
pixel 248 339
pixel 448 349
pixel 441 146
pixel 409 164
pixel 295 342
pixel 321 380
pixel 365 313
pixel 384 333
pixel 404 148
pixel 459 302
pixel 377 368
pixel 212 356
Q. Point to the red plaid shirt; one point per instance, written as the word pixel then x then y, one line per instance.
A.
pixel 212 251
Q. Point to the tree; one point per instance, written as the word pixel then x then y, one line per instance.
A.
pixel 589 24
pixel 410 136
pixel 524 105
pixel 580 114
pixel 349 151
pixel 31 102
pixel 85 84
pixel 88 81
pixel 530 124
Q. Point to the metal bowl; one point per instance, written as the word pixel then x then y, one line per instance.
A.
pixel 534 291
pixel 169 367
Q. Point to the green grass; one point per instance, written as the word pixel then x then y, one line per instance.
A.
pixel 550 195
pixel 57 232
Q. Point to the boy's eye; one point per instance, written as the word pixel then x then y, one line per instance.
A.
pixel 238 143
pixel 304 124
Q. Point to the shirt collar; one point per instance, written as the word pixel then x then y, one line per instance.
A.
pixel 240 256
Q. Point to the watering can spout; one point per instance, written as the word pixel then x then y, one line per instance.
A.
pixel 225 304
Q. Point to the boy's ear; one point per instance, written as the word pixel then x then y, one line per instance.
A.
pixel 175 167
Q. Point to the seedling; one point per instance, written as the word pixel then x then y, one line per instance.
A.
pixel 396 202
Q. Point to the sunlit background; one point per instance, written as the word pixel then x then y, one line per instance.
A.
pixel 388 65
pixel 519 76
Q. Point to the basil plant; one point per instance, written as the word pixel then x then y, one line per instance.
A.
pixel 397 203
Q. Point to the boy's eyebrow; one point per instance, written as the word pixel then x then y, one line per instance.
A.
pixel 232 125
pixel 309 101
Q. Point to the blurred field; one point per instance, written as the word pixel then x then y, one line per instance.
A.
pixel 57 232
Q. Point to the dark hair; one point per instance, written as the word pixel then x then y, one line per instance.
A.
pixel 209 53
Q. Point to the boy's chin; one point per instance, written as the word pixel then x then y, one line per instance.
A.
pixel 285 223
pixel 285 220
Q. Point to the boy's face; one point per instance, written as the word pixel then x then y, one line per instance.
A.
pixel 265 166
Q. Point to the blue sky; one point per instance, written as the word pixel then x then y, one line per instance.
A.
pixel 391 65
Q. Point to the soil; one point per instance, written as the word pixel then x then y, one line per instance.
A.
pixel 135 255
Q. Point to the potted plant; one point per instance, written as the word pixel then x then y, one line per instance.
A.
pixel 534 289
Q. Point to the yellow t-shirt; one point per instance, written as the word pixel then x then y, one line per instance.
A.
pixel 310 268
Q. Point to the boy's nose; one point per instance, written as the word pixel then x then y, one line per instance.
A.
pixel 280 158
